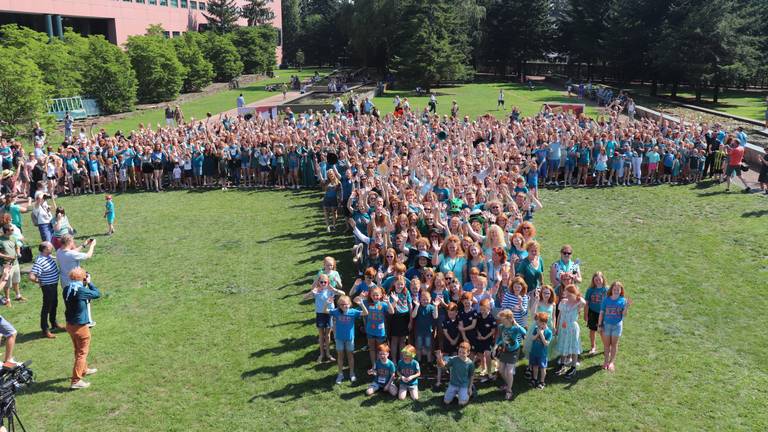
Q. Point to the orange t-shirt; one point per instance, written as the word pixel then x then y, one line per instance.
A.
pixel 735 156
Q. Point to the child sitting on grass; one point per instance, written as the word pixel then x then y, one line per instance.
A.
pixel 462 371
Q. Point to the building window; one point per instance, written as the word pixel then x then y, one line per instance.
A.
pixel 175 3
pixel 201 6
pixel 176 34
pixel 153 2
pixel 279 35
pixel 166 35
pixel 163 2
pixel 184 4
pixel 139 1
pixel 193 4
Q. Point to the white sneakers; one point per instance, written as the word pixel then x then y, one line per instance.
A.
pixel 91 371
pixel 339 378
pixel 80 385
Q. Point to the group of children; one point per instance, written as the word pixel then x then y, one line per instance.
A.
pixel 405 325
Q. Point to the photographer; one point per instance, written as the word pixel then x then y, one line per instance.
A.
pixel 69 256
pixel 41 216
pixel 77 294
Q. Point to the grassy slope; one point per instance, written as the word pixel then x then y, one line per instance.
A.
pixel 214 103
pixel 749 104
pixel 203 326
pixel 478 99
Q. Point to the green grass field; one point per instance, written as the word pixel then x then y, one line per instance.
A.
pixel 202 326
pixel 478 99
pixel 214 103
pixel 749 104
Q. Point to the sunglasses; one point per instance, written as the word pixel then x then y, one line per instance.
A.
pixel 390 256
pixel 526 228
pixel 566 253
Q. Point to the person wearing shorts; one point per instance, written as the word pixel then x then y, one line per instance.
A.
pixel 8 332
pixel 9 253
pixel 612 329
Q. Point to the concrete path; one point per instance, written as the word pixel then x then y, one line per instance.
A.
pixel 275 100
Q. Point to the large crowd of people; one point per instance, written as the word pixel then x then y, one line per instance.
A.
pixel 441 209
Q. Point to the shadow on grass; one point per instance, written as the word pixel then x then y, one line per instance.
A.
pixel 287 345
pixel 51 386
pixel 755 213
pixel 706 184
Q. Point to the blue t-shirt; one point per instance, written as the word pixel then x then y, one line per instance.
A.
pixel 321 299
pixel 595 298
pixel 538 349
pixel 384 371
pixel 613 310
pixel 424 320
pixel 554 151
pixel 407 369
pixel 345 323
pixel 377 314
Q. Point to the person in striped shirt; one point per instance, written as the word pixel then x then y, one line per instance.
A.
pixel 45 272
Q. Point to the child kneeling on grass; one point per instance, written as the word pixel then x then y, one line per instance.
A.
pixel 383 372
pixel 409 372
pixel 344 329
pixel 462 370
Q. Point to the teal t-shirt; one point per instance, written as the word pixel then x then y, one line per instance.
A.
pixel 408 369
pixel 15 212
pixel 538 349
pixel 110 206
pixel 461 371
pixel 384 371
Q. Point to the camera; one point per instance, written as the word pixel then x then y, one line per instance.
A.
pixel 13 379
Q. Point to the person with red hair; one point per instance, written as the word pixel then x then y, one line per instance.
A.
pixel 612 312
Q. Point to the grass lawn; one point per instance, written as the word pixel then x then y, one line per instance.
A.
pixel 749 104
pixel 477 99
pixel 214 103
pixel 202 326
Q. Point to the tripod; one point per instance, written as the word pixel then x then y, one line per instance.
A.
pixel 9 413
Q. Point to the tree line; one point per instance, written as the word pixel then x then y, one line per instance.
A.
pixel 702 43
pixel 148 69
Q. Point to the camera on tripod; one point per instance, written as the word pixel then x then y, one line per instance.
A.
pixel 13 379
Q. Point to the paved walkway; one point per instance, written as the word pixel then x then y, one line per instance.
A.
pixel 275 100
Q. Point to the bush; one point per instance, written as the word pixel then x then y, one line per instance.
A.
pixel 256 46
pixel 108 76
pixel 159 72
pixel 198 72
pixel 22 91
pixel 221 52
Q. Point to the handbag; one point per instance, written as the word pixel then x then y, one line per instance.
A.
pixel 26 255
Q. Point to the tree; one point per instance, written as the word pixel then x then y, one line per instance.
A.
pixel 53 59
pixel 198 72
pixel 583 30
pixel 22 91
pixel 222 15
pixel 291 29
pixel 159 72
pixel 257 12
pixel 431 50
pixel 223 55
pixel 256 46
pixel 300 58
pixel 108 76
pixel 531 37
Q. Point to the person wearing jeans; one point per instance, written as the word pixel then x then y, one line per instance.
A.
pixel 42 216
pixel 45 272
pixel 77 294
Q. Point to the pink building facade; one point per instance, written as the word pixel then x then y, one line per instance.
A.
pixel 118 19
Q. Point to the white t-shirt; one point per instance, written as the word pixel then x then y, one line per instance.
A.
pixel 68 260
